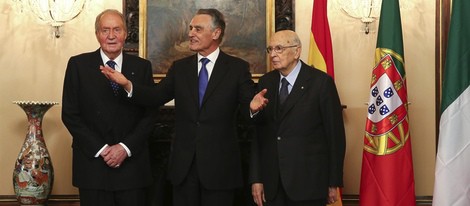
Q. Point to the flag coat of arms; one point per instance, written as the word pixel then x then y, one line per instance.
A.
pixel 387 177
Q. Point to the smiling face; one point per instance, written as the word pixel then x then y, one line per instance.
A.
pixel 203 38
pixel 285 59
pixel 111 33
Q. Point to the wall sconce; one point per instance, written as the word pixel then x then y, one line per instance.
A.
pixel 54 12
pixel 365 10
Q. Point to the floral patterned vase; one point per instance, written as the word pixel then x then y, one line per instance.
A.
pixel 33 175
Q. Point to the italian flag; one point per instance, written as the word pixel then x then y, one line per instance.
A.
pixel 452 176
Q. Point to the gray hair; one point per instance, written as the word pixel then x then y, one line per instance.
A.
pixel 113 11
pixel 218 20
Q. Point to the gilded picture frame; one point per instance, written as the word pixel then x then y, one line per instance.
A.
pixel 163 31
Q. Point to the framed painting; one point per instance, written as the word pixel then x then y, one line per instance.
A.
pixel 163 31
pixel 130 9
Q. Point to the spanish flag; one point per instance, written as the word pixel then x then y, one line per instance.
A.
pixel 320 50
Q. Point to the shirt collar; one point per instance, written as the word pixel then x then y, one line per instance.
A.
pixel 105 59
pixel 292 76
pixel 212 56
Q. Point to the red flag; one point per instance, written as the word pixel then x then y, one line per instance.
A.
pixel 387 166
pixel 321 50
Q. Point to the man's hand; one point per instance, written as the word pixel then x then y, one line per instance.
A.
pixel 258 102
pixel 114 155
pixel 257 191
pixel 333 195
pixel 117 77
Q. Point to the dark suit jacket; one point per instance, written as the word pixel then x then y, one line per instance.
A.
pixel 302 142
pixel 208 134
pixel 95 117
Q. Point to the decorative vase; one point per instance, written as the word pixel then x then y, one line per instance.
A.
pixel 33 175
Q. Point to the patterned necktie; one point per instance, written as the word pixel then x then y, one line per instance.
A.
pixel 284 92
pixel 114 85
pixel 203 79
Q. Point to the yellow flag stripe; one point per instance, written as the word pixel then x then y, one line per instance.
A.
pixel 315 57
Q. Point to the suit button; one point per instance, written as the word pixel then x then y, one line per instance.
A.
pixel 278 138
pixel 197 124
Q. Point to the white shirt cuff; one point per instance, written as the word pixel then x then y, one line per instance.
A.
pixel 129 154
pixel 129 93
pixel 101 150
pixel 253 114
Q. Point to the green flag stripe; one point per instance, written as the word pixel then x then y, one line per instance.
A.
pixel 457 65
pixel 390 32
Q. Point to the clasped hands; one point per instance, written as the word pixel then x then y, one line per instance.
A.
pixel 114 155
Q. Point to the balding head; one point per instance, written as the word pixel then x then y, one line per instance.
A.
pixel 289 37
pixel 284 50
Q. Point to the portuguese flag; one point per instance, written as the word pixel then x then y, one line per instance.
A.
pixel 387 167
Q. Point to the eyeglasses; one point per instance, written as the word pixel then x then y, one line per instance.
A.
pixel 278 49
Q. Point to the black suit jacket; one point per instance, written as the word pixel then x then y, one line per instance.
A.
pixel 303 142
pixel 207 135
pixel 95 117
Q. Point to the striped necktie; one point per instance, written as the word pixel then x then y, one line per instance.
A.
pixel 114 85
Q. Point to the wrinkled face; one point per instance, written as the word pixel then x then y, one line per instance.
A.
pixel 111 34
pixel 284 53
pixel 202 38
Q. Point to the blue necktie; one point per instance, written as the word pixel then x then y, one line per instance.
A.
pixel 284 92
pixel 203 79
pixel 114 85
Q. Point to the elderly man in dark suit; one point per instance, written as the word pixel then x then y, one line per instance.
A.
pixel 298 153
pixel 110 151
pixel 208 88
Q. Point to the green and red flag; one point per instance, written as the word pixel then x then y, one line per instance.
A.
pixel 387 177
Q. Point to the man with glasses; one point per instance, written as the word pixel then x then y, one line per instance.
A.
pixel 298 153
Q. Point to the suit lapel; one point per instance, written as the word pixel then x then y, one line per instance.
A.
pixel 94 64
pixel 108 107
pixel 193 79
pixel 272 85
pixel 299 89
pixel 126 69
